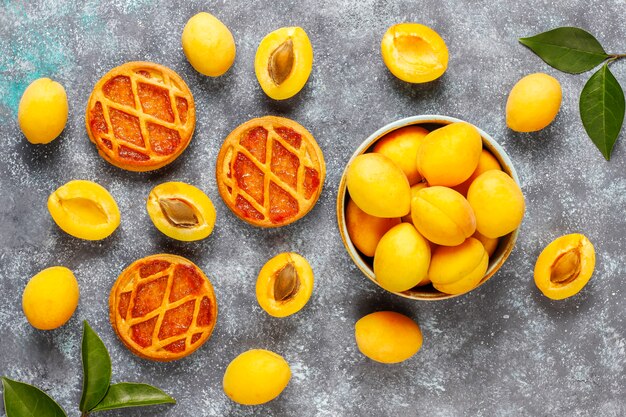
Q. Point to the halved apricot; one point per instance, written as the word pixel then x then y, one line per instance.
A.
pixel 84 210
pixel 181 211
pixel 414 53
pixel 565 266
pixel 284 285
pixel 283 62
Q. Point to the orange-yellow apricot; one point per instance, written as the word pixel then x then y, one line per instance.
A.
pixel 378 186
pixel 498 203
pixel 458 269
pixel 284 284
pixel 42 112
pixel 414 189
pixel 565 266
pixel 283 62
pixel 366 231
pixel 401 259
pixel 442 215
pixel 208 45
pixel 387 337
pixel 533 103
pixel 401 147
pixel 256 376
pixel 486 162
pixel 84 210
pixel 489 243
pixel 181 211
pixel 50 298
pixel 450 154
pixel 414 53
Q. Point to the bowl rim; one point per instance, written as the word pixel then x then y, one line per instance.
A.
pixel 507 242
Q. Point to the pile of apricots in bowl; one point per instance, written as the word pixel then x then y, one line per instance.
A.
pixel 429 207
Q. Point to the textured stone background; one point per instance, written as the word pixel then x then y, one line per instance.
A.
pixel 501 350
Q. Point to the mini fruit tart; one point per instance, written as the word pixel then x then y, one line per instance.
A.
pixel 163 307
pixel 270 171
pixel 140 116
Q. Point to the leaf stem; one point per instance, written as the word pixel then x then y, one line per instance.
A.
pixel 615 57
pixel 85 414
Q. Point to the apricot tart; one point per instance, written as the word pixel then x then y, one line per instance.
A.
pixel 163 307
pixel 140 116
pixel 270 171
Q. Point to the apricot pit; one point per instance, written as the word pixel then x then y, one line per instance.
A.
pixel 181 211
pixel 284 284
pixel 565 266
pixel 283 62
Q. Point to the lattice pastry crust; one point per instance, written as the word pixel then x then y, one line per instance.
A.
pixel 163 307
pixel 140 116
pixel 270 171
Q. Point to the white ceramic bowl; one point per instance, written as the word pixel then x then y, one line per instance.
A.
pixel 429 122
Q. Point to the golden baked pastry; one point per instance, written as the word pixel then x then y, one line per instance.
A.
pixel 140 116
pixel 163 307
pixel 270 171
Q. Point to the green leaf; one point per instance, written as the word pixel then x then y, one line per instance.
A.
pixel 567 49
pixel 23 400
pixel 602 109
pixel 126 394
pixel 96 369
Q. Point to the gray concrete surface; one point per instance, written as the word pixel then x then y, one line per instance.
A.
pixel 501 350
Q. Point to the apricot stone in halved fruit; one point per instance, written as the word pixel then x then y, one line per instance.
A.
pixel 565 266
pixel 401 147
pixel 414 53
pixel 181 211
pixel 283 62
pixel 284 285
pixel 366 231
pixel 84 210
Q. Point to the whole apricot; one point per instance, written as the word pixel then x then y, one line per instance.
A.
pixel 84 210
pixel 378 186
pixel 42 113
pixel 458 269
pixel 414 53
pixel 442 215
pixel 208 45
pixel 50 298
pixel 366 231
pixel 401 147
pixel 256 377
pixel 387 337
pixel 533 103
pixel 565 266
pixel 181 211
pixel 414 189
pixel 284 284
pixel 449 155
pixel 498 203
pixel 486 162
pixel 489 243
pixel 401 259
pixel 283 62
